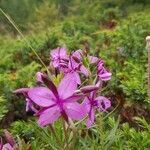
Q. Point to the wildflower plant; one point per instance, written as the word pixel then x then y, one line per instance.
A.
pixel 70 91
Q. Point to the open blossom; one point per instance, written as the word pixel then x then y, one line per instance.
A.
pixel 70 65
pixel 76 66
pixel 58 57
pixel 55 102
pixel 93 103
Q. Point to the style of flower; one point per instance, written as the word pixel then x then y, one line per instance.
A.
pixel 56 102
pixel 93 103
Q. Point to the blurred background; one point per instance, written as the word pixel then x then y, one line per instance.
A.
pixel 114 30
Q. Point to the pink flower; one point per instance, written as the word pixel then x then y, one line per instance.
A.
pixel 75 66
pixel 56 102
pixel 58 57
pixel 93 103
pixel 70 65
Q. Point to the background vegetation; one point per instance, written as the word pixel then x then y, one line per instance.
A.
pixel 114 30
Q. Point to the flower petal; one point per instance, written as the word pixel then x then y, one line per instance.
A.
pixel 48 116
pixel 39 77
pixel 56 56
pixel 7 146
pixel 76 77
pixel 67 87
pixel 93 59
pixel 41 96
pixel 105 76
pixel 59 52
pixel 87 105
pixel 104 103
pixel 84 70
pixel 77 54
pixel 74 97
pixel 75 110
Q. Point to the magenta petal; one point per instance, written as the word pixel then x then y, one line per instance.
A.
pixel 57 55
pixel 91 118
pixel 77 77
pixel 39 77
pixel 62 52
pixel 42 96
pixel 67 87
pixel 84 70
pixel 75 110
pixel 58 52
pixel 77 54
pixel 93 59
pixel 73 65
pixel 48 116
pixel 86 105
pixel 74 97
pixel 74 76
pixel 105 76
pixel 7 146
pixel 104 103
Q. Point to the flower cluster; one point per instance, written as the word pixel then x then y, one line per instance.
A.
pixel 76 96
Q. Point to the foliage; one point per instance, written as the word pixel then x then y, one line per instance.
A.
pixel 121 138
pixel 114 30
